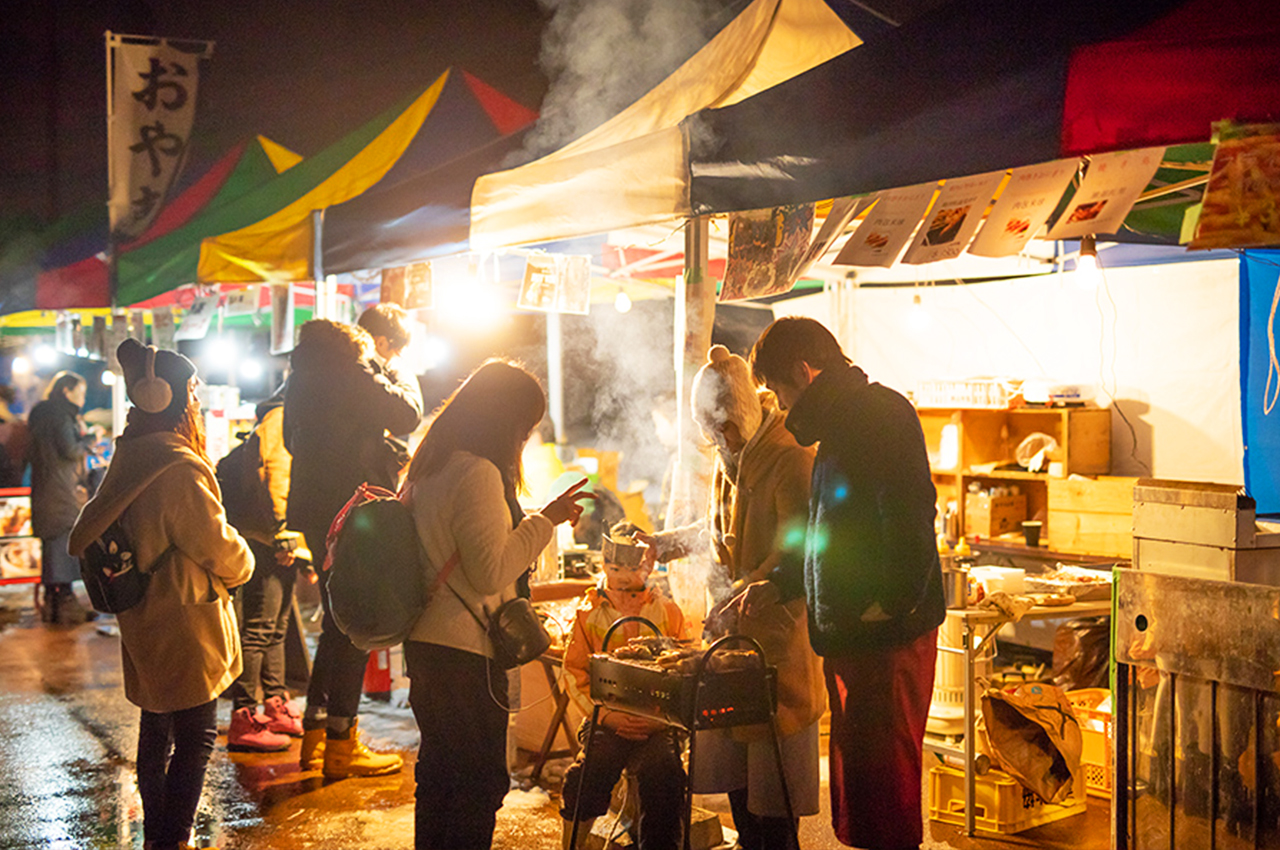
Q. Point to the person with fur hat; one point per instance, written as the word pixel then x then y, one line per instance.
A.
pixel 180 645
pixel 759 506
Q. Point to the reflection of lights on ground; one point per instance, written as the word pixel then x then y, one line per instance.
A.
pixel 46 355
pixel 21 366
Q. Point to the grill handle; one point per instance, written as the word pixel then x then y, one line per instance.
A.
pixel 604 646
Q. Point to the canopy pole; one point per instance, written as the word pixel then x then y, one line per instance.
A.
pixel 555 381
pixel 695 305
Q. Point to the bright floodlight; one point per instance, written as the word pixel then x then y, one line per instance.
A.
pixel 221 350
pixel 46 355
pixel 251 369
pixel 622 301
pixel 21 366
pixel 472 306
pixel 108 378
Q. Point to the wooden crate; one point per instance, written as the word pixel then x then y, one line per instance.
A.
pixel 1092 516
pixel 988 516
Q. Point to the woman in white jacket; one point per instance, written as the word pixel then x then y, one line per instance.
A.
pixel 180 646
pixel 463 484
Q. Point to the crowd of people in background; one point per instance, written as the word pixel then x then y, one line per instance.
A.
pixel 819 529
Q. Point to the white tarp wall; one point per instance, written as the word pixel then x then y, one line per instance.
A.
pixel 633 169
pixel 1161 342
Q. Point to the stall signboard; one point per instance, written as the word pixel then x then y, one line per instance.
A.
pixel 889 224
pixel 556 283
pixel 195 324
pixel 162 329
pixel 953 219
pixel 411 286
pixel 242 302
pixel 767 249
pixel 1240 203
pixel 119 333
pixel 1029 197
pixel 281 318
pixel 1110 187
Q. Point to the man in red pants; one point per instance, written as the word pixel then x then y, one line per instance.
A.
pixel 870 575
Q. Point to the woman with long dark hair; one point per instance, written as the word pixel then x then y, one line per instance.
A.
pixel 60 445
pixel 180 645
pixel 463 483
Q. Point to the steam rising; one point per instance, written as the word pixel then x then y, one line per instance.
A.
pixel 602 55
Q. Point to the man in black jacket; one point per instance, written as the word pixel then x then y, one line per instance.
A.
pixel 339 406
pixel 870 574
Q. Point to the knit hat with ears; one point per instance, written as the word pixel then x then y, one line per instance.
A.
pixel 724 392
pixel 155 380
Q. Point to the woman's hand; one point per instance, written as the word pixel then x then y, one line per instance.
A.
pixel 567 507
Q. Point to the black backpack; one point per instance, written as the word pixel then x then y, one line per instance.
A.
pixel 244 491
pixel 377 583
pixel 111 573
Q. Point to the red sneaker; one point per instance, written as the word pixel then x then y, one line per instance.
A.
pixel 249 733
pixel 283 717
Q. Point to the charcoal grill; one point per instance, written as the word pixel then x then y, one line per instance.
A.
pixel 700 700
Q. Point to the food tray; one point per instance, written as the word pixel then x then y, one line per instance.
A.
pixel 724 699
pixel 1082 583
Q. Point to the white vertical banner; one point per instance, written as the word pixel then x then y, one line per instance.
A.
pixel 953 219
pixel 1028 199
pixel 151 107
pixel 1109 189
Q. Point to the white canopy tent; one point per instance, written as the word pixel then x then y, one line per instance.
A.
pixel 632 169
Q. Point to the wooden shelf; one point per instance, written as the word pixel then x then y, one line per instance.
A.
pixel 970 437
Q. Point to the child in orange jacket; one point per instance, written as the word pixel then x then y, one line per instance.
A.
pixel 650 751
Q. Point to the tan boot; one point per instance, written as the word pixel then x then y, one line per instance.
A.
pixel 346 755
pixel 311 756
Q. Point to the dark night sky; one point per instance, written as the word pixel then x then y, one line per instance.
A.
pixel 305 72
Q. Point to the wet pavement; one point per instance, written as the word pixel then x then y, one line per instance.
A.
pixel 68 738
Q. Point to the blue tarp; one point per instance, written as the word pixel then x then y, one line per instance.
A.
pixel 1260 377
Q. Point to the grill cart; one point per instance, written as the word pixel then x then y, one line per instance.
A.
pixel 699 700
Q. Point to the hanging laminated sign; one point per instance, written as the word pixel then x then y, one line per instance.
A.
pixel 1110 187
pixel 97 342
pixel 953 219
pixel 138 326
pixel 538 291
pixel 556 283
pixel 392 289
pixel 242 302
pixel 887 227
pixel 152 107
pixel 1029 197
pixel 1241 206
pixel 843 211
pixel 766 251
pixel 119 333
pixel 195 324
pixel 419 291
pixel 63 333
pixel 162 329
pixel 281 318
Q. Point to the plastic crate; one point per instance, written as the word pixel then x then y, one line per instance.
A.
pixel 1095 732
pixel 1000 802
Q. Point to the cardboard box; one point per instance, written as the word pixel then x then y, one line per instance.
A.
pixel 988 516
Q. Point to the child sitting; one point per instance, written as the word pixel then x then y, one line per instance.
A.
pixel 649 750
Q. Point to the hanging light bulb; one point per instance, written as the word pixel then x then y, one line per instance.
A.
pixel 918 317
pixel 622 301
pixel 1088 276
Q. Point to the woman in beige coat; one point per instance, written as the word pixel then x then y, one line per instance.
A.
pixel 180 645
pixel 759 506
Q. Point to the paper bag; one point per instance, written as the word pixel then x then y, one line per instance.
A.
pixel 1033 736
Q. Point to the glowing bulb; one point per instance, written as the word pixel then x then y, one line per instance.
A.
pixel 46 355
pixel 622 302
pixel 474 307
pixel 21 365
pixel 1088 275
pixel 108 378
pixel 220 350
pixel 918 317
